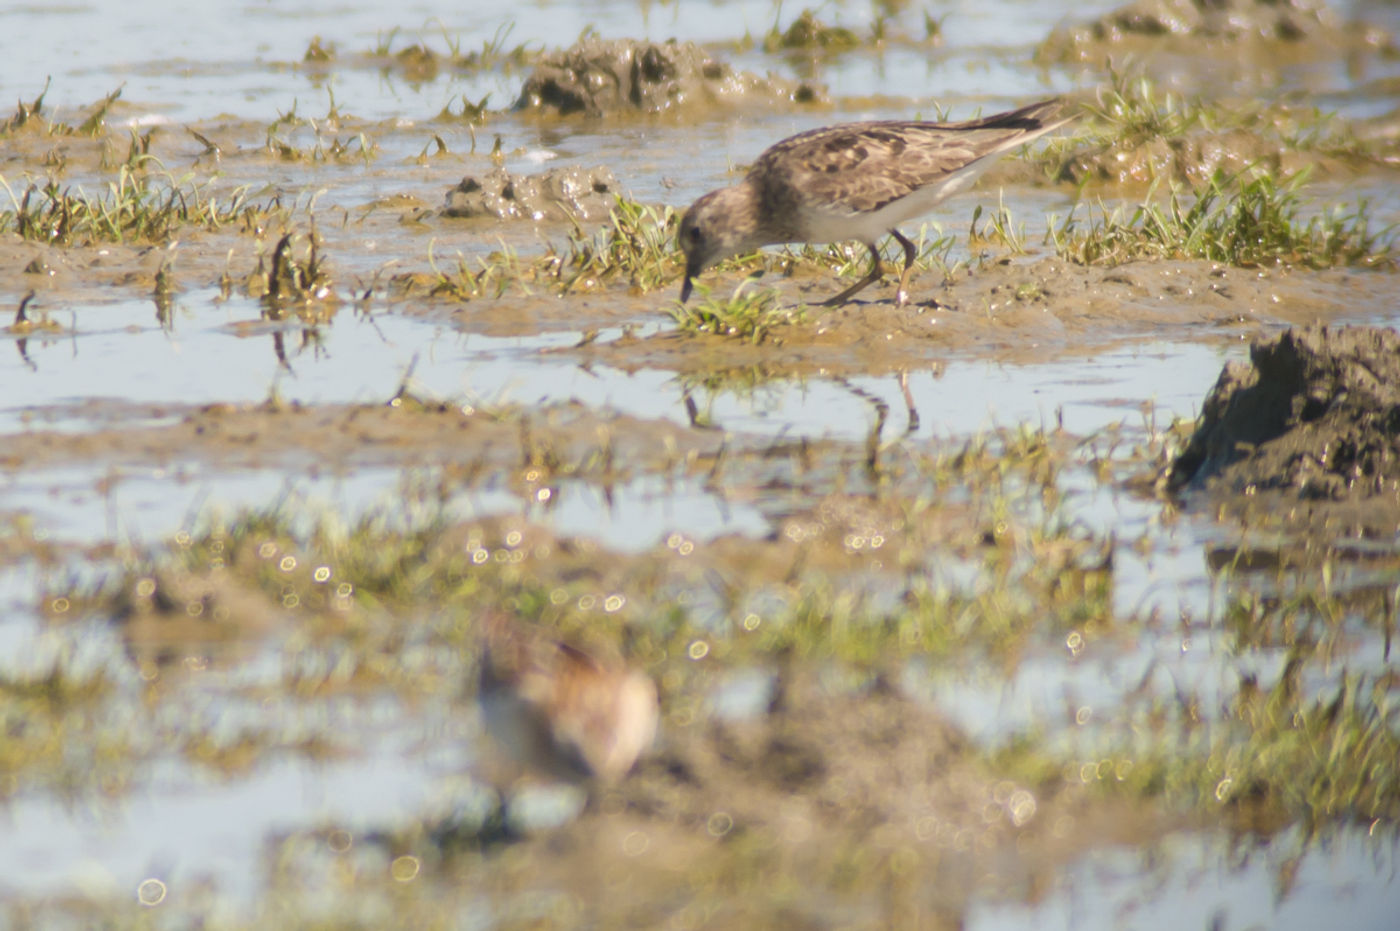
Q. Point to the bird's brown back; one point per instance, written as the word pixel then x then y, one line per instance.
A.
pixel 864 166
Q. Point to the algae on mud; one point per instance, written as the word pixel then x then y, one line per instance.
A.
pixel 1141 133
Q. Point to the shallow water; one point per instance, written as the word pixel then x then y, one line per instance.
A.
pixel 1138 386
pixel 185 62
pixel 1199 881
pixel 117 366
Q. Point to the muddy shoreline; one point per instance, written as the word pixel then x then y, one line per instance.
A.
pixel 909 672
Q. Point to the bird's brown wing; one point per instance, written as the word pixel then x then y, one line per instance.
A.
pixel 864 166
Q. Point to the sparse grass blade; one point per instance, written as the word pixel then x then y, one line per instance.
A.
pixel 750 313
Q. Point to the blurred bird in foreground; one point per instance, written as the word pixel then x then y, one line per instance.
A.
pixel 559 711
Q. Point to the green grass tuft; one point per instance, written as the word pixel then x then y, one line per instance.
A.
pixel 1256 222
pixel 636 246
pixel 134 208
pixel 750 313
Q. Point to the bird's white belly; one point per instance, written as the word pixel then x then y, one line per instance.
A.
pixel 837 223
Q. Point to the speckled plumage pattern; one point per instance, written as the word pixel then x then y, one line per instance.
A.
pixel 856 181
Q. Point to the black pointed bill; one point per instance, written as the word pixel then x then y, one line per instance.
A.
pixel 692 270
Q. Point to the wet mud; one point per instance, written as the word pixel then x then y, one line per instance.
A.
pixel 1197 154
pixel 555 195
pixel 1309 430
pixel 827 780
pixel 1297 28
pixel 1015 309
pixel 845 793
pixel 600 77
pixel 345 436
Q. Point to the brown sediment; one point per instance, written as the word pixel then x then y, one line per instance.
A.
pixel 854 781
pixel 1303 29
pixel 599 77
pixel 1308 432
pixel 858 795
pixel 326 439
pixel 1019 310
pixel 553 195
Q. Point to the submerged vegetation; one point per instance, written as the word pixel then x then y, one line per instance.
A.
pixel 27 117
pixel 419 61
pixel 809 33
pixel 1269 757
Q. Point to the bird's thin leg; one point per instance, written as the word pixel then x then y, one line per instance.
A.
pixel 867 281
pixel 901 297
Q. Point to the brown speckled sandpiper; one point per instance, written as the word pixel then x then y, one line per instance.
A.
pixel 856 181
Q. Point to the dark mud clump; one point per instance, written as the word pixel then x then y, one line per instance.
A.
pixel 1290 21
pixel 600 77
pixel 557 194
pixel 1314 419
pixel 1305 26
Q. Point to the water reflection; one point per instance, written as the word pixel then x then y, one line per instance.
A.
pixel 1291 880
pixel 174 825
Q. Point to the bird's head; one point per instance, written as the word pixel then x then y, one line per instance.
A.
pixel 718 225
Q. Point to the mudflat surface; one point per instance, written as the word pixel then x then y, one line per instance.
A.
pixel 1063 593
pixel 1312 422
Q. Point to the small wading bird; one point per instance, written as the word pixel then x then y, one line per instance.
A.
pixel 560 712
pixel 856 181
